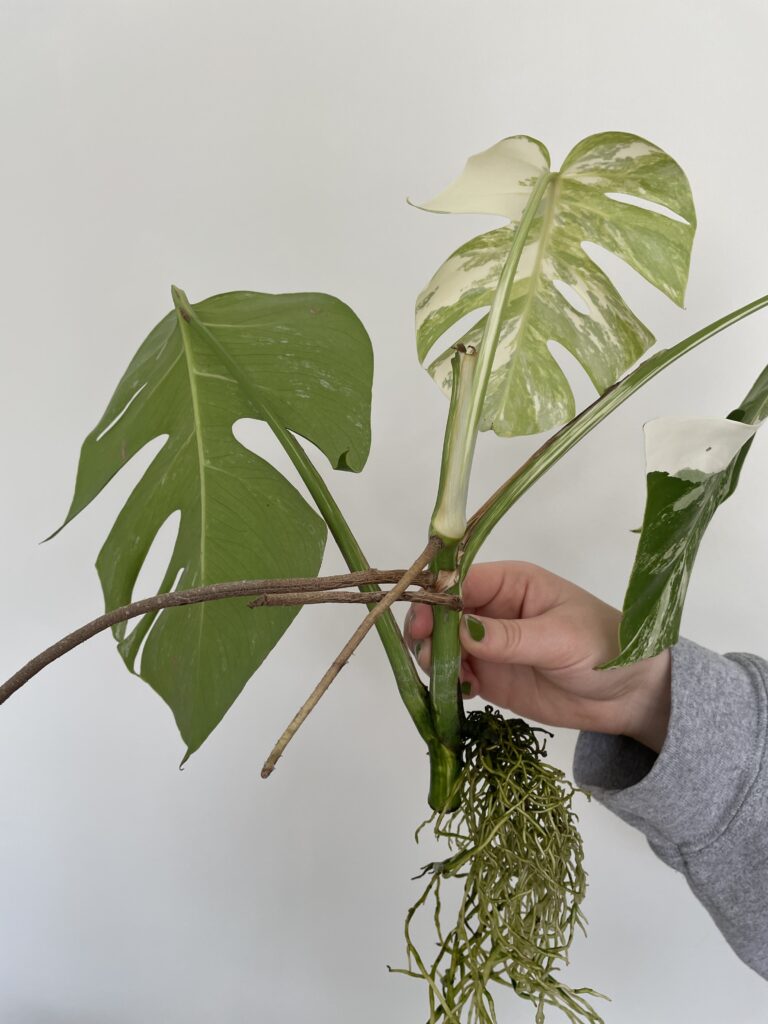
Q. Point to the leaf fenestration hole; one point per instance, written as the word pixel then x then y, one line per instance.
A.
pixel 455 333
pixel 645 204
pixel 143 644
pixel 257 437
pixel 634 289
pixel 582 387
pixel 122 412
pixel 571 296
pixel 155 565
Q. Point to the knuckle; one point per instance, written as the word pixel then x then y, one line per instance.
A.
pixel 423 652
pixel 510 634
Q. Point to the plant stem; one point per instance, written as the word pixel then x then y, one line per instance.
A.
pixel 410 687
pixel 449 522
pixel 489 514
pixel 444 768
pixel 447 708
pixel 449 518
pixel 446 661
pixel 346 653
pixel 471 374
pixel 291 599
pixel 284 584
pixel 303 590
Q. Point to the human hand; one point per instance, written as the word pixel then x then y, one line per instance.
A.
pixel 530 642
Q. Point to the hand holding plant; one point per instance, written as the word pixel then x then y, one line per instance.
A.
pixel 531 642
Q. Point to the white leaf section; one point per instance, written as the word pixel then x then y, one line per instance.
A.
pixel 559 294
pixel 676 445
pixel 497 180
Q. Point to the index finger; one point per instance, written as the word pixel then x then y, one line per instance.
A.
pixel 511 590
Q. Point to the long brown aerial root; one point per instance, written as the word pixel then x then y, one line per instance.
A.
pixel 517 851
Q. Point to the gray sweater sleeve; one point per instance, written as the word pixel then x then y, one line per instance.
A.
pixel 702 802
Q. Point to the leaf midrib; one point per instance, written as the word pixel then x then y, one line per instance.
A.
pixel 533 277
pixel 201 462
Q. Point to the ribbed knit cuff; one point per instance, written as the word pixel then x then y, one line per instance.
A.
pixel 689 792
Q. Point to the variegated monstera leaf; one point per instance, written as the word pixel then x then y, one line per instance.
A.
pixel 301 362
pixel 527 391
pixel 693 466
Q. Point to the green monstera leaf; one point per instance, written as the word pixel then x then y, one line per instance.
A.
pixel 304 363
pixel 559 293
pixel 693 466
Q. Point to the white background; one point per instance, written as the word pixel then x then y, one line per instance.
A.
pixel 270 146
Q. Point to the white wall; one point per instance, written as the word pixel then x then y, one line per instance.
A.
pixel 270 146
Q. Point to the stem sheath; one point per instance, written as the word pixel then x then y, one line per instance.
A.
pixel 449 518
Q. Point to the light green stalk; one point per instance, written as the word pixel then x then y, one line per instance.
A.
pixel 471 373
pixel 449 518
pixel 486 517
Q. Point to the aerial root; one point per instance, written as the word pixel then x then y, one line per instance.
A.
pixel 516 847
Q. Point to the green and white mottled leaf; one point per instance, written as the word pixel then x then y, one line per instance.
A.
pixel 693 466
pixel 309 359
pixel 527 391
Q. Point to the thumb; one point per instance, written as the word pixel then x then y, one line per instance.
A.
pixel 509 641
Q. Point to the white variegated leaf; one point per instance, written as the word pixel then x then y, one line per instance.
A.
pixel 693 449
pixel 528 392
pixel 693 466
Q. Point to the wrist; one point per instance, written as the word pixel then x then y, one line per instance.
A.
pixel 651 702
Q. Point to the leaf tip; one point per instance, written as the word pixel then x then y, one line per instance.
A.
pixel 180 302
pixel 55 532
pixel 426 206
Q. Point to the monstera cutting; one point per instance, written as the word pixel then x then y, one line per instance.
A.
pixel 248 540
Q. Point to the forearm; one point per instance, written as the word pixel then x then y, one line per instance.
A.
pixel 650 702
pixel 702 802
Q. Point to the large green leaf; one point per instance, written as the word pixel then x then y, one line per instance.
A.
pixel 528 391
pixel 693 466
pixel 307 360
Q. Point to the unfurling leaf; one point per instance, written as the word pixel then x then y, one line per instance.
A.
pixel 693 466
pixel 559 293
pixel 307 362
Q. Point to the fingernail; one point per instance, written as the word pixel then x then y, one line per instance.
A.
pixel 475 628
pixel 466 689
pixel 417 649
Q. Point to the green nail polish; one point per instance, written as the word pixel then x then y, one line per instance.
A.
pixel 466 689
pixel 417 649
pixel 475 627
